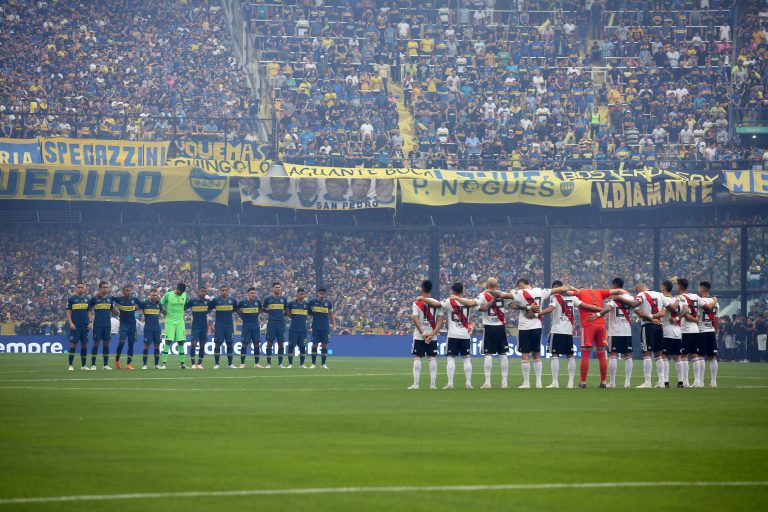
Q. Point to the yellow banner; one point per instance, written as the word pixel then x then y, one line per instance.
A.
pixel 242 168
pixel 106 153
pixel 139 185
pixel 651 195
pixel 747 182
pixel 215 150
pixel 546 192
pixel 314 171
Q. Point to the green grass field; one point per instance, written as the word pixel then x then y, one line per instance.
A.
pixel 154 433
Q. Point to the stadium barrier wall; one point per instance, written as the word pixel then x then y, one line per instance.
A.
pixel 341 345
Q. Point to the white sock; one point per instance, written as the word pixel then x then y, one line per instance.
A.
pixel 555 365
pixel 696 372
pixel 612 364
pixel 647 370
pixel 487 366
pixel 526 367
pixel 433 372
pixel 628 364
pixel 713 372
pixel 468 370
pixel 702 369
pixel 666 370
pixel 680 368
pixel 686 371
pixel 504 368
pixel 416 371
pixel 537 371
pixel 571 370
pixel 660 369
pixel 451 369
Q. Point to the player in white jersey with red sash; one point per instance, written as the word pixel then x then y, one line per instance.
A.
pixel 562 308
pixel 456 312
pixel 690 329
pixel 494 331
pixel 708 332
pixel 670 325
pixel 651 334
pixel 425 319
pixel 618 310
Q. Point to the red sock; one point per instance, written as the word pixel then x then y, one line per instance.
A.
pixel 603 365
pixel 585 353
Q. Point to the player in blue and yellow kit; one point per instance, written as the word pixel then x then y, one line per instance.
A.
pixel 101 315
pixel 297 331
pixel 78 321
pixel 323 323
pixel 275 306
pixel 126 307
pixel 199 307
pixel 249 309
pixel 152 330
pixel 224 306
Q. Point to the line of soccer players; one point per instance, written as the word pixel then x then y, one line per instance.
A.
pixel 681 326
pixel 97 311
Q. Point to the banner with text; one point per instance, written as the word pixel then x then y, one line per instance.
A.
pixel 103 153
pixel 319 194
pixel 747 182
pixel 644 174
pixel 241 168
pixel 216 150
pixel 139 185
pixel 539 191
pixel 20 151
pixel 634 194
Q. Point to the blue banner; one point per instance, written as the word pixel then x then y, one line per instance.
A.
pixel 354 346
pixel 20 151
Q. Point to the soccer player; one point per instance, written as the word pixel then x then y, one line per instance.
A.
pixel 708 332
pixel 101 311
pixel 494 331
pixel 652 334
pixel 249 309
pixel 275 306
pixel 670 324
pixel 593 332
pixel 562 307
pixel 175 330
pixel 77 319
pixel 126 307
pixel 152 331
pixel 425 320
pixel 619 332
pixel 456 312
pixel 690 329
pixel 224 307
pixel 199 333
pixel 529 325
pixel 323 324
pixel 297 311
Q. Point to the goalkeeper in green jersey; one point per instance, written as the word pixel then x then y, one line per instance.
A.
pixel 174 303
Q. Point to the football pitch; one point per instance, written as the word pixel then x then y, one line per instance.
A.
pixel 353 438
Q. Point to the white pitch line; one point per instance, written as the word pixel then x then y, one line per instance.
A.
pixel 359 490
pixel 148 378
pixel 320 390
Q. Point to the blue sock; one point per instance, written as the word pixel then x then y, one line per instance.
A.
pixel 145 355
pixel 120 346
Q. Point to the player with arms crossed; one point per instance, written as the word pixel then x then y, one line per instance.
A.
pixel 101 311
pixel 151 309
pixel 619 332
pixel 199 333
pixel 670 325
pixel 651 335
pixel 708 332
pixel 224 307
pixel 78 321
pixel 175 330
pixel 323 323
pixel 275 306
pixel 249 309
pixel 424 315
pixel 456 311
pixel 297 311
pixel 127 305
pixel 494 331
pixel 562 307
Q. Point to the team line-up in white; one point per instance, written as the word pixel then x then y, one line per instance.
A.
pixel 674 323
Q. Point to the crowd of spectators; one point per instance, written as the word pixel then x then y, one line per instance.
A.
pixel 710 254
pixel 144 70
